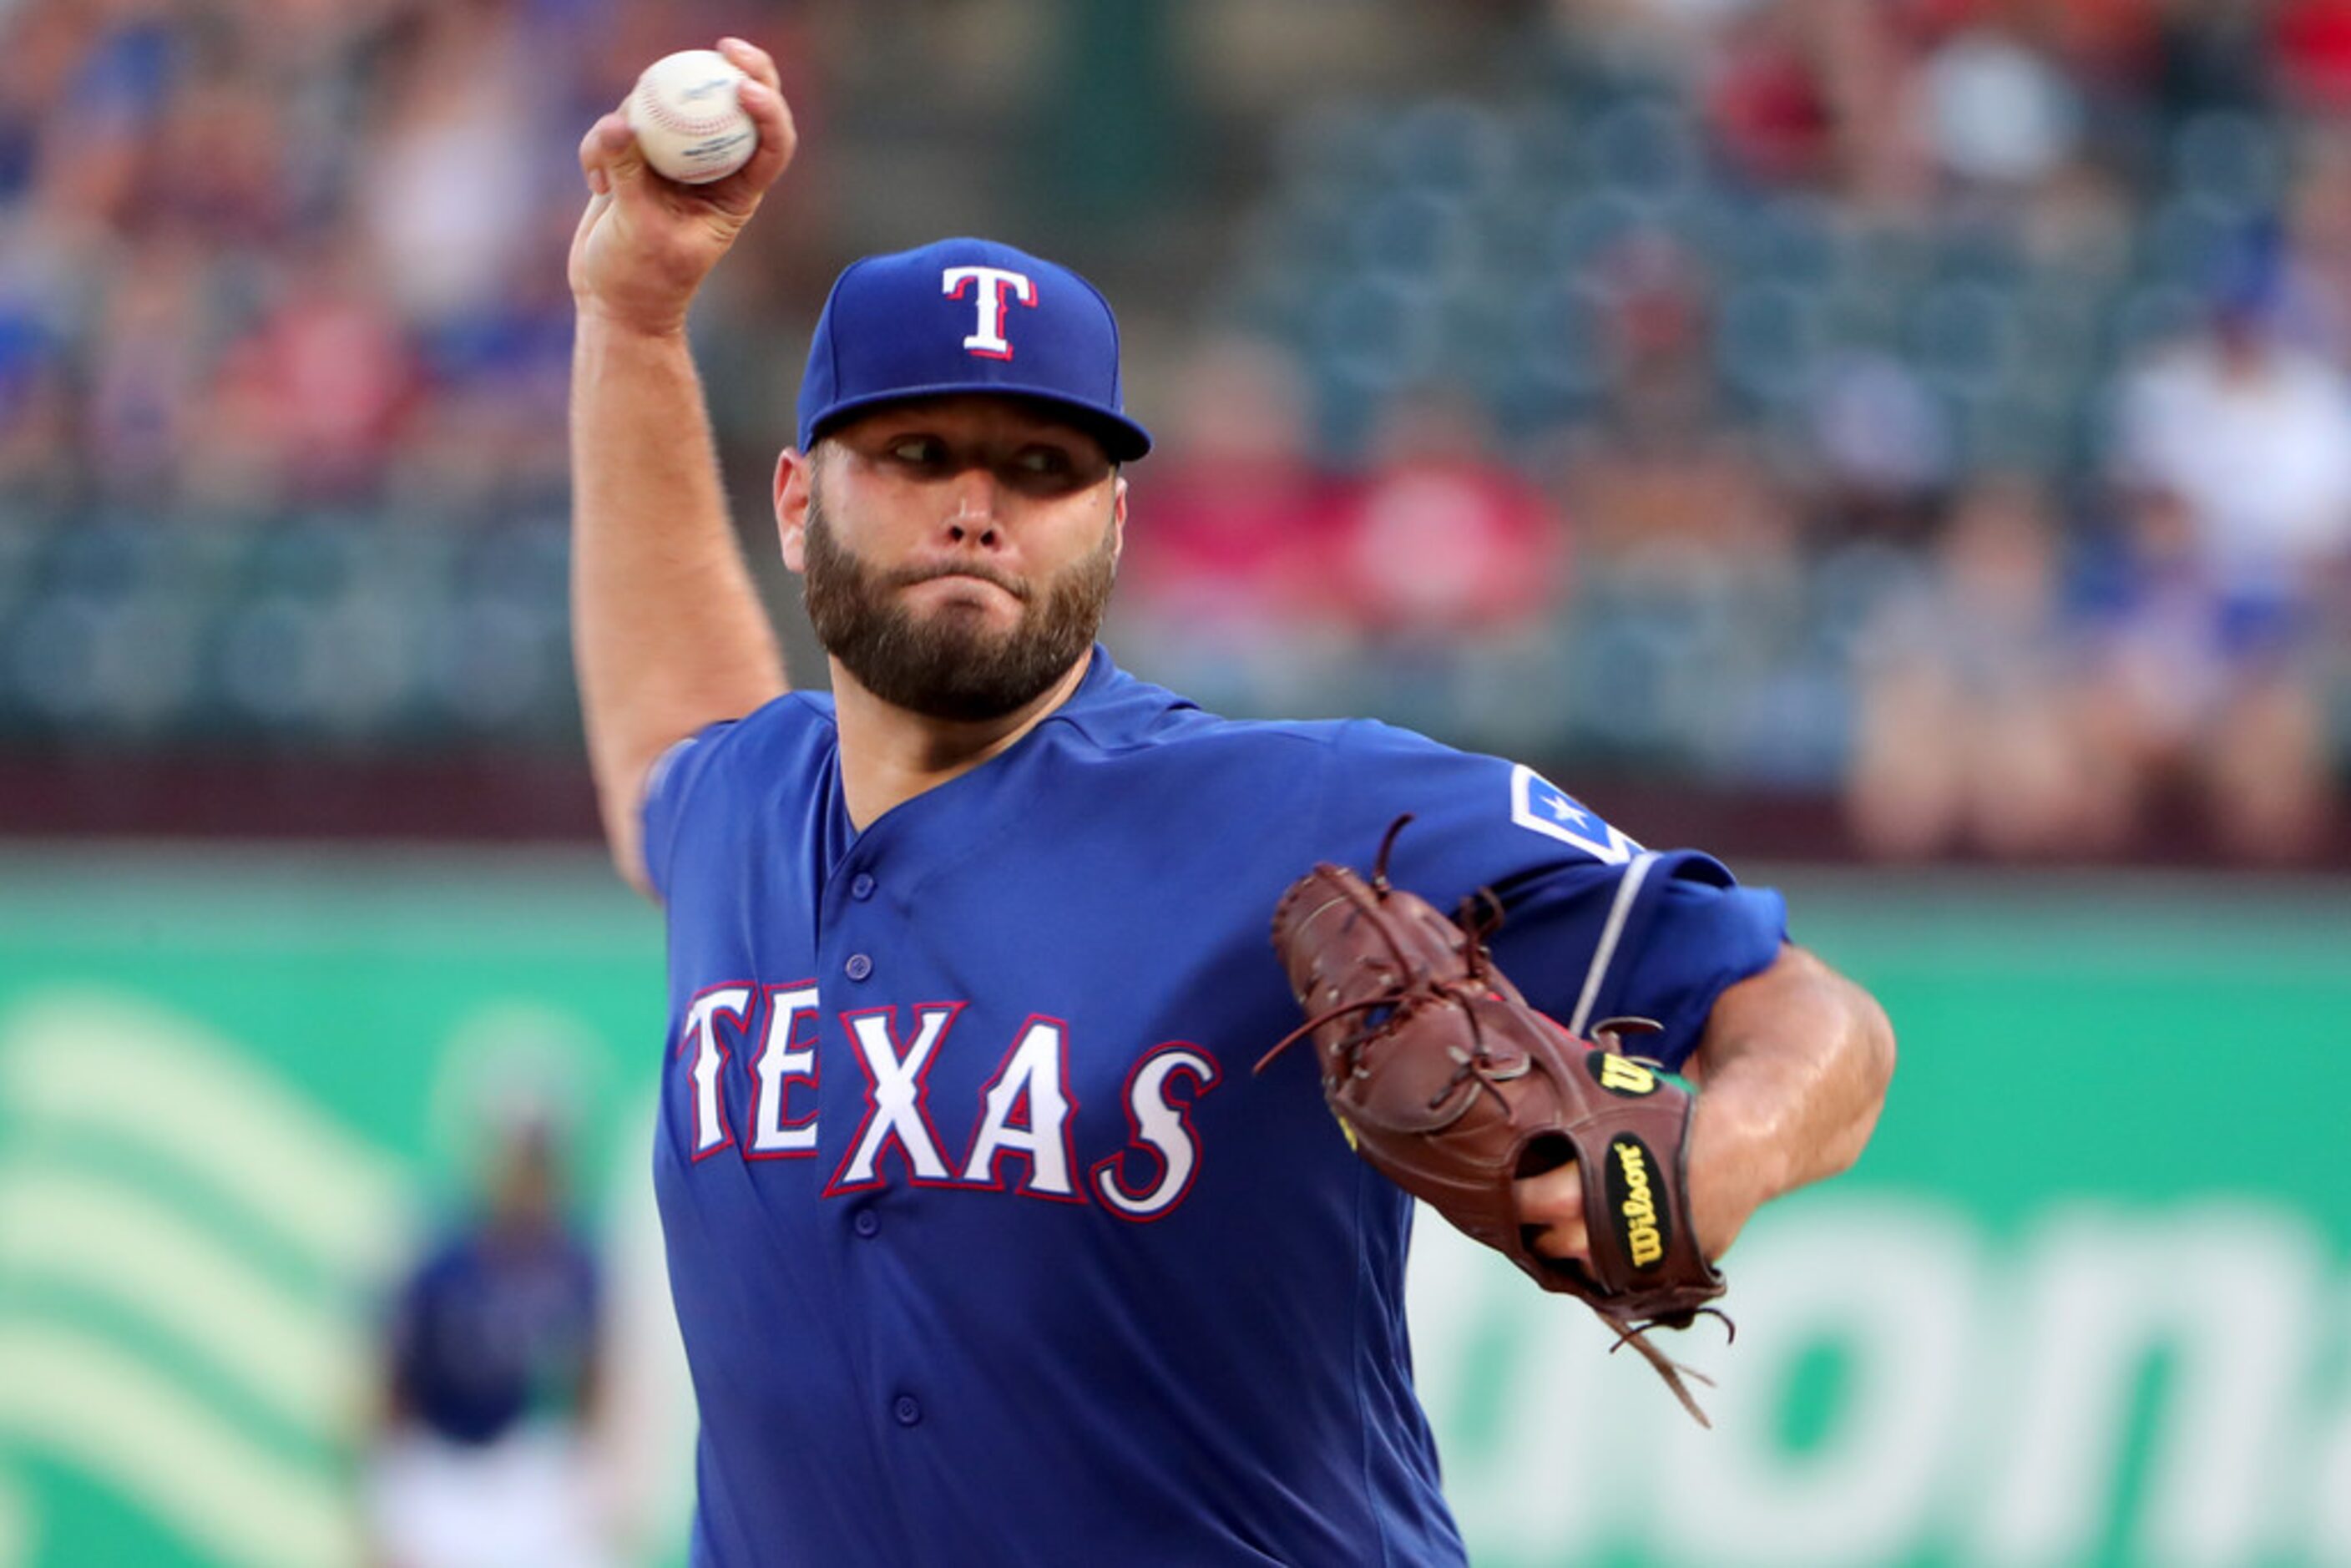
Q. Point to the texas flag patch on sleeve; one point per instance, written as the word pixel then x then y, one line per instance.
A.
pixel 1540 806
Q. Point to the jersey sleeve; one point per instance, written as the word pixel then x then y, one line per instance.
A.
pixel 669 786
pixel 1594 926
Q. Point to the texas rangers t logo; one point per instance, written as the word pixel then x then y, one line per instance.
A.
pixel 997 287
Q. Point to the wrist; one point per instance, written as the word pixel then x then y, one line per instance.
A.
pixel 1734 1168
pixel 642 323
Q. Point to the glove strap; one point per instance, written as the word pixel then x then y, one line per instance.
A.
pixel 1672 1371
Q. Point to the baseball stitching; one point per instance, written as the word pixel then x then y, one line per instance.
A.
pixel 659 113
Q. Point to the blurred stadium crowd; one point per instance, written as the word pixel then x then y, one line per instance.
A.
pixel 1939 406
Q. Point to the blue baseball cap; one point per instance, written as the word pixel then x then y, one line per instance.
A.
pixel 967 316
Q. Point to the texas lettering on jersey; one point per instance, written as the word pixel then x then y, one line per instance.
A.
pixel 1023 1141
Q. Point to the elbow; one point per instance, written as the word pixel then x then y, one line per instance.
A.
pixel 625 841
pixel 631 870
pixel 1871 1052
pixel 1873 1043
pixel 1863 1059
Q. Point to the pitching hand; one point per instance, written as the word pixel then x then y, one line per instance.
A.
pixel 645 243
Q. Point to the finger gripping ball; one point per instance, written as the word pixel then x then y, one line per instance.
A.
pixel 689 123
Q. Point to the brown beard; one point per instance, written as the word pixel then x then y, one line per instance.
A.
pixel 943 667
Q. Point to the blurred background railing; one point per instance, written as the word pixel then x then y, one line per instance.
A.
pixel 1909 430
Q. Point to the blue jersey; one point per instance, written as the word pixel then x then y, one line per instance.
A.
pixel 986 1243
pixel 491 1329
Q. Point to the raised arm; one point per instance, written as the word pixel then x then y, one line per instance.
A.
pixel 668 631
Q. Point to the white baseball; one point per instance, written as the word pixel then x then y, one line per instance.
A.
pixel 690 125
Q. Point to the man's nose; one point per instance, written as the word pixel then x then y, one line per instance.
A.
pixel 971 519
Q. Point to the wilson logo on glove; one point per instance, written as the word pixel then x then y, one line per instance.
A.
pixel 1643 1227
pixel 1619 1075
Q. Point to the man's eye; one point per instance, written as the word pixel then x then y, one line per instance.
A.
pixel 915 449
pixel 1043 460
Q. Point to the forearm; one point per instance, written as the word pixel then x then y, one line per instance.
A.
pixel 1793 1069
pixel 668 630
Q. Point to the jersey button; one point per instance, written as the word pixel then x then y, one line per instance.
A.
pixel 867 1223
pixel 858 966
pixel 860 886
pixel 909 1413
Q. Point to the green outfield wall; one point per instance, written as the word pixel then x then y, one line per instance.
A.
pixel 2087 1299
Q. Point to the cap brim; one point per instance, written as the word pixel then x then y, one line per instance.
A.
pixel 1122 438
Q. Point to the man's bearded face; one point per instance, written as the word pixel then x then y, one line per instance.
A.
pixel 947 664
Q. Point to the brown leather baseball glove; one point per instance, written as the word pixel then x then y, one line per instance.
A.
pixel 1447 1081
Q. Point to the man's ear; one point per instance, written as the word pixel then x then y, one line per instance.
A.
pixel 795 484
pixel 1117 516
